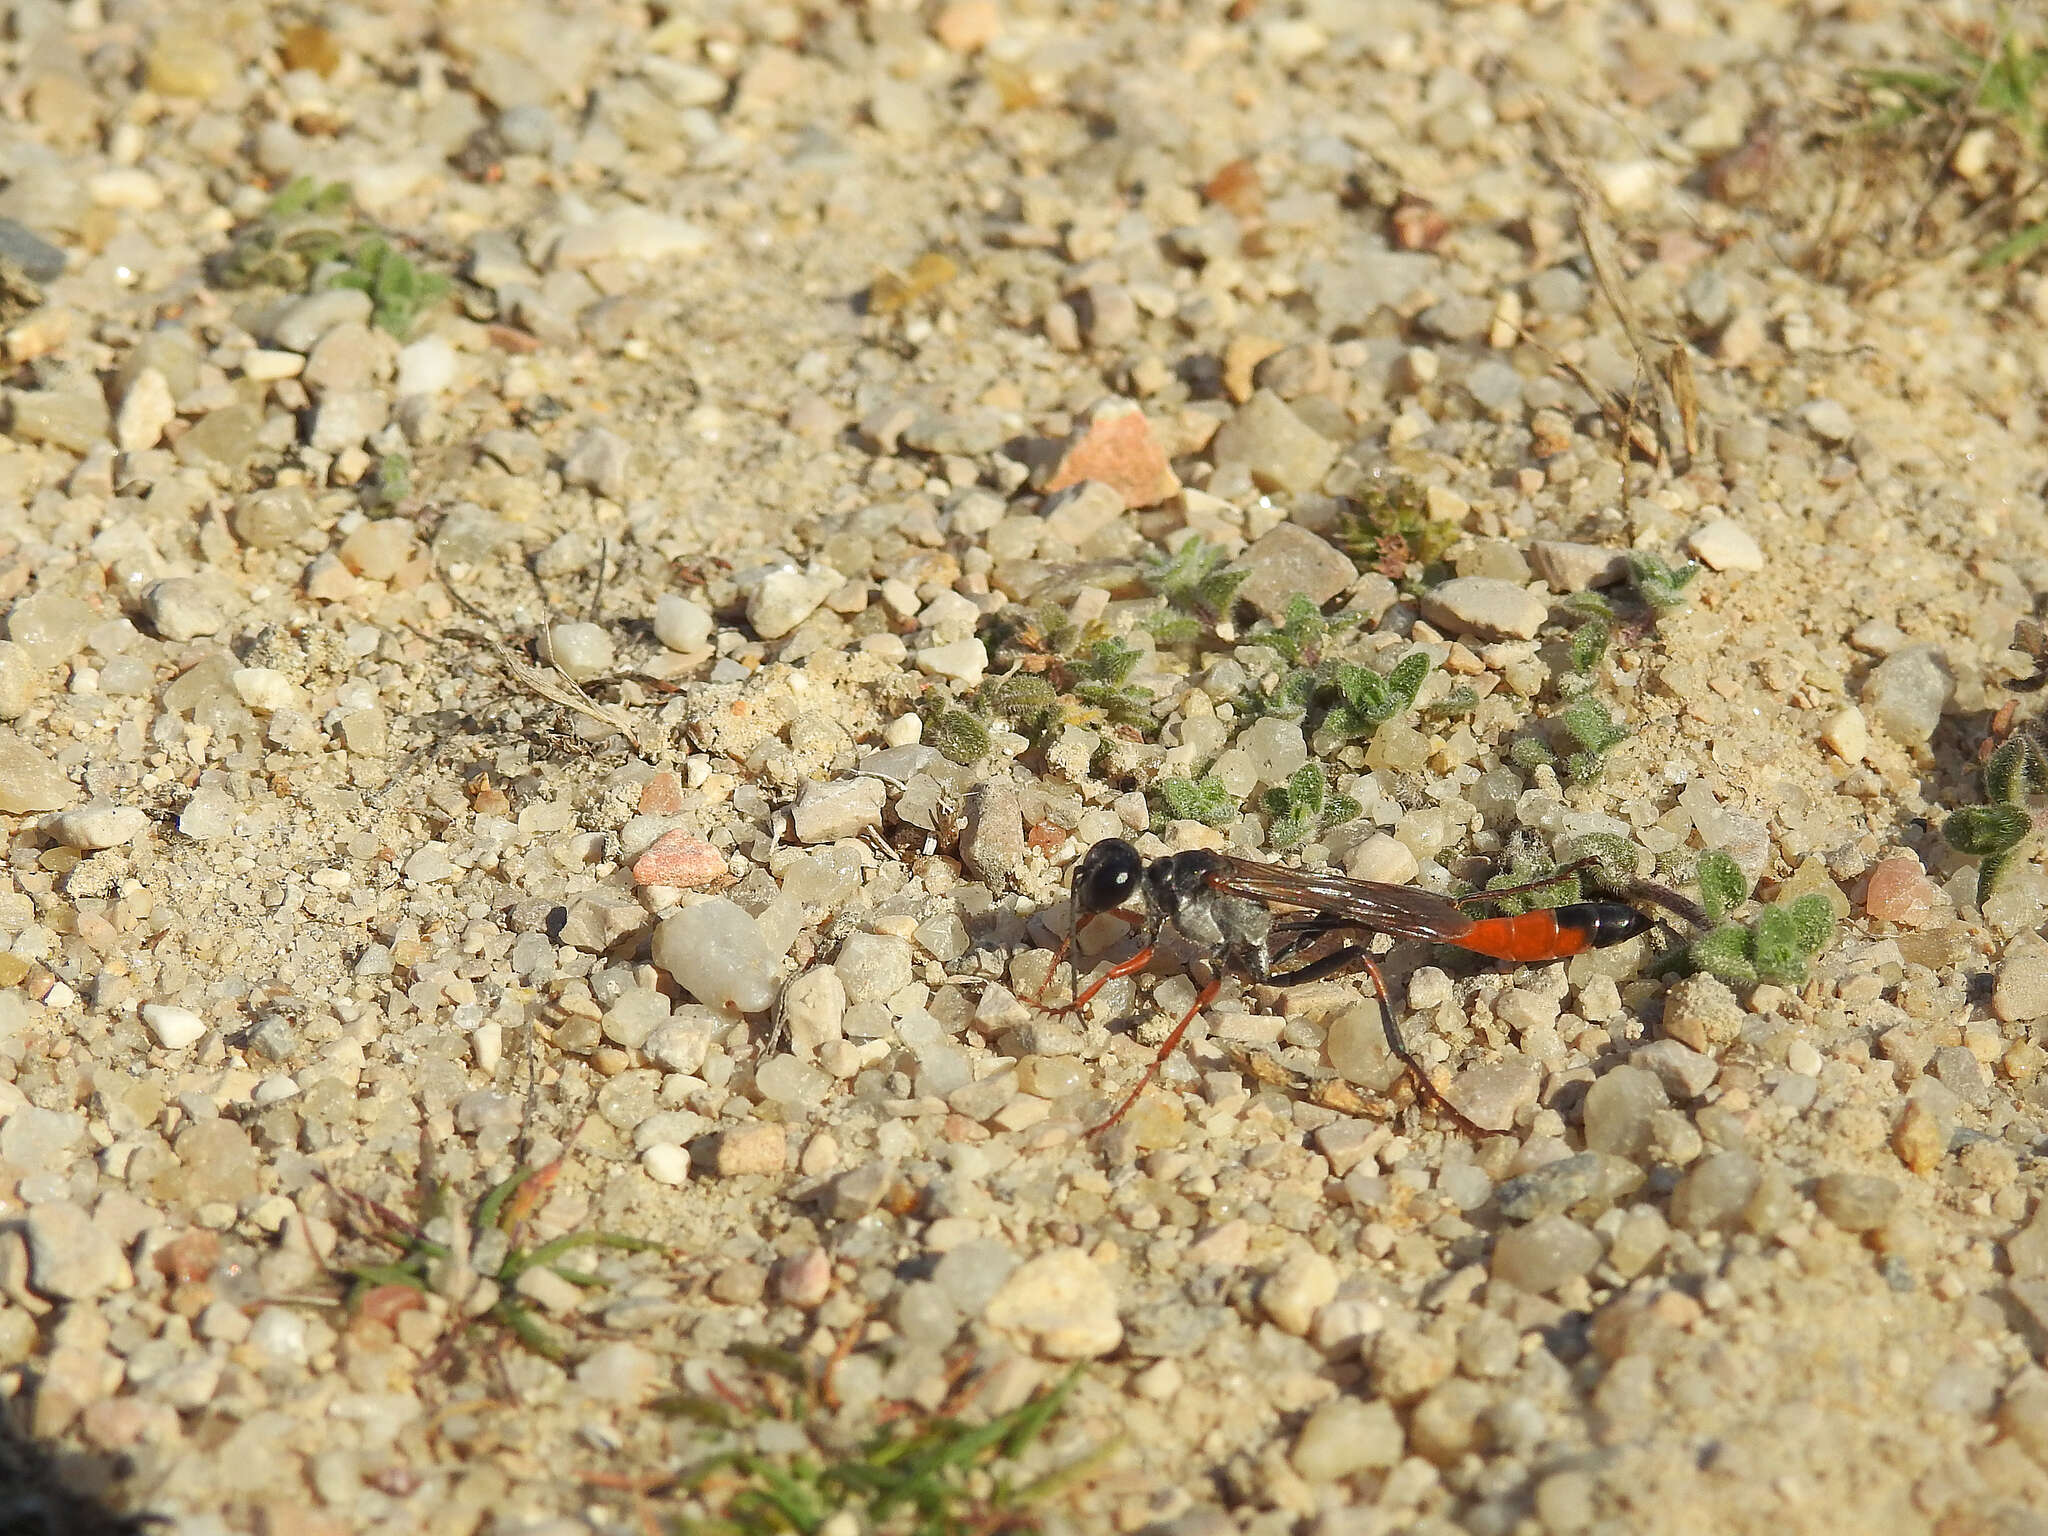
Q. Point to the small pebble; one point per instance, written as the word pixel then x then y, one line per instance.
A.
pixel 1900 892
pixel 666 1164
pixel 1485 606
pixel 1345 1436
pixel 1715 1192
pixel 1544 1254
pixel 21 680
pixel 873 966
pixel 71 1258
pixel 1906 692
pixel 1617 1111
pixel 715 952
pixel 679 859
pixel 1856 1202
pixel 99 824
pixel 619 1373
pixel 180 608
pixel 174 1028
pixel 785 598
pixel 752 1149
pixel 1725 545
pixel 1272 444
pixel 1292 1294
pixel 1117 448
pixel 1064 1301
pixel 29 781
pixel 827 811
pixel 681 624
pixel 2020 994
pixel 580 650
pixel 1846 734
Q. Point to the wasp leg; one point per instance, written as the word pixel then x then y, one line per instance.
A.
pixel 1356 957
pixel 1206 997
pixel 1135 919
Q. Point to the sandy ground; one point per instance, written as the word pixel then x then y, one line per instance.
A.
pixel 443 719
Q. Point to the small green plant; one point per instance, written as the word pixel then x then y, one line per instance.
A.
pixel 391 482
pixel 1777 945
pixel 309 239
pixel 1455 705
pixel 958 735
pixel 399 291
pixel 1367 699
pixel 1996 831
pixel 1102 682
pixel 1204 800
pixel 1304 806
pixel 922 1476
pixel 2002 87
pixel 452 1253
pixel 1388 529
pixel 1594 634
pixel 1590 728
pixel 1660 586
pixel 1196 589
pixel 1299 636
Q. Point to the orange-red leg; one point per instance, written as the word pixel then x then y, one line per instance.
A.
pixel 1206 997
pixel 1141 959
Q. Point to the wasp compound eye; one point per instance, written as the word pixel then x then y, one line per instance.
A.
pixel 1106 876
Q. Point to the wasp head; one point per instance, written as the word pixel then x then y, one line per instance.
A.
pixel 1108 875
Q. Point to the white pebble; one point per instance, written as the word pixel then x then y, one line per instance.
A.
pixel 427 367
pixel 264 688
pixel 100 824
pixel 716 953
pixel 682 625
pixel 667 1164
pixel 964 660
pixel 1847 734
pixel 21 679
pixel 580 650
pixel 174 1027
pixel 1725 545
pixel 1382 857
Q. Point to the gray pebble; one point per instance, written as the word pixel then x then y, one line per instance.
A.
pixel 181 608
pixel 1544 1254
pixel 1856 1202
pixel 1485 606
pixel 716 953
pixel 1290 560
pixel 40 260
pixel 838 808
pixel 346 418
pixel 20 680
pixel 1906 692
pixel 992 843
pixel 873 966
pixel 70 1257
pixel 280 517
pixel 1715 1192
pixel 1279 450
pixel 601 460
pixel 98 824
pixel 301 325
pixel 859 1190
pixel 972 1273
pixel 1618 1108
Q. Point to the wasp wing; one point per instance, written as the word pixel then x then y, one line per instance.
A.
pixel 1336 901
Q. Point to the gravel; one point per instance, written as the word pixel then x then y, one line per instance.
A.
pixel 636 718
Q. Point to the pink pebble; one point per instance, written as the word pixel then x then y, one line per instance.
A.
pixel 1899 892
pixel 678 859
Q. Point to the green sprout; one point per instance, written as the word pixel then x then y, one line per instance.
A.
pixel 1367 699
pixel 1777 945
pixel 1197 590
pixel 1298 637
pixel 923 1475
pixel 1594 634
pixel 1995 832
pixel 309 239
pixel 1102 684
pixel 1304 806
pixel 2004 86
pixel 1594 730
pixel 391 482
pixel 1205 800
pixel 1455 705
pixel 398 290
pixel 484 1246
pixel 1660 586
pixel 958 736
pixel 1388 529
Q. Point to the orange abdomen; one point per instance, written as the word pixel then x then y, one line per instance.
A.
pixel 1553 933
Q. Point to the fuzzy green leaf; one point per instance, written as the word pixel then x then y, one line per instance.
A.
pixel 1990 870
pixel 1589 723
pixel 959 737
pixel 1723 887
pixel 1813 920
pixel 1776 946
pixel 1530 752
pixel 1984 830
pixel 2016 770
pixel 1657 584
pixel 1724 952
pixel 1589 644
pixel 1204 800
